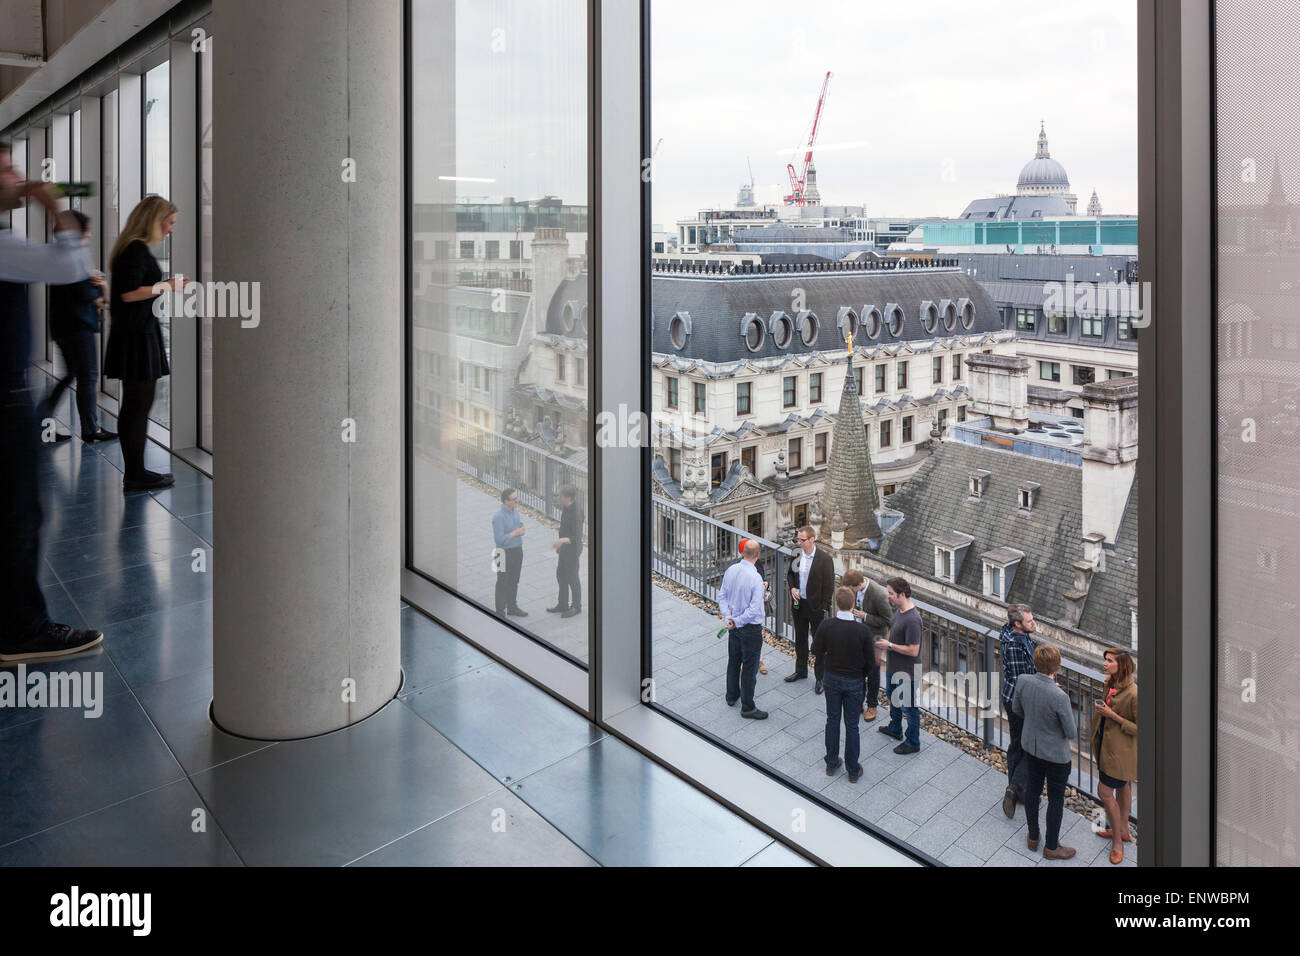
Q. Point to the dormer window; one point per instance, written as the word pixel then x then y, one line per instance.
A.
pixel 979 484
pixel 949 553
pixel 1027 494
pixel 1000 571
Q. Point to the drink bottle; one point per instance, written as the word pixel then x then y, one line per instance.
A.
pixel 75 190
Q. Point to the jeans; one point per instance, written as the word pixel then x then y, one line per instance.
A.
pixel 79 355
pixel 902 701
pixel 744 644
pixel 22 605
pixel 804 621
pixel 507 592
pixel 843 702
pixel 1056 775
pixel 1016 755
pixel 566 575
pixel 873 685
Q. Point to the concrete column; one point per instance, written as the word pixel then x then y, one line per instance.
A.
pixel 307 540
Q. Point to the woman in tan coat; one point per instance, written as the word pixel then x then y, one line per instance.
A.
pixel 1114 743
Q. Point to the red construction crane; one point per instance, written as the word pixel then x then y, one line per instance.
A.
pixel 797 180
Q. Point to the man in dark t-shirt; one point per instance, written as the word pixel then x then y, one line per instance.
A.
pixel 903 647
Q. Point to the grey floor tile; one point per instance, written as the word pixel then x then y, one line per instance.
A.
pixel 471 710
pixel 200 525
pixel 896 825
pixel 1008 857
pixel 60 606
pixel 329 800
pixel 498 830
pixel 922 803
pixel 103 682
pixel 936 834
pixel 145 589
pixel 164 644
pixel 179 709
pixel 431 653
pixel 878 801
pixel 956 856
pixel 959 774
pixel 157 828
pixel 64 765
pixel 86 556
pixel 186 500
pixel 777 854
pixel 625 810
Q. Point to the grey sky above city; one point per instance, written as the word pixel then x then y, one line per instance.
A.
pixel 919 91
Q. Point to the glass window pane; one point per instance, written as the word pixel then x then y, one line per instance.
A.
pixel 110 215
pixel 157 180
pixel 499 157
pixel 205 240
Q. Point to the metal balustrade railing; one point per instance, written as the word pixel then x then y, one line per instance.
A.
pixel 502 462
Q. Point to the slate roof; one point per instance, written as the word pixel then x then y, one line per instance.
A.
pixel 1106 612
pixel 1018 208
pixel 716 304
pixel 936 502
pixel 569 291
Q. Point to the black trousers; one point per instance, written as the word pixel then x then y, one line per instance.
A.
pixel 133 425
pixel 1056 775
pixel 507 593
pixel 1016 755
pixel 22 605
pixel 872 697
pixel 805 620
pixel 79 355
pixel 566 575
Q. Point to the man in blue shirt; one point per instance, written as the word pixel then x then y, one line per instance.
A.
pixel 508 535
pixel 740 602
pixel 1017 660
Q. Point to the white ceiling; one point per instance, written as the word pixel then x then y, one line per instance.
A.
pixel 20 27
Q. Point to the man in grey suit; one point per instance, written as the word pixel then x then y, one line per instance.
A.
pixel 1049 728
pixel 872 607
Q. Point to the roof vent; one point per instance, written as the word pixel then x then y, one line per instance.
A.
pixel 979 483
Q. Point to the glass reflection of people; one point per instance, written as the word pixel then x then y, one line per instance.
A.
pixel 1114 742
pixel 74 322
pixel 508 534
pixel 26 632
pixel 136 353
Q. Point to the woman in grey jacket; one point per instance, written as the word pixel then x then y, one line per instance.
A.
pixel 1049 728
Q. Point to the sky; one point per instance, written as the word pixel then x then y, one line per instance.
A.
pixel 930 104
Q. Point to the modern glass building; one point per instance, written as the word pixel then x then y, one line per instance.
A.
pixel 460 472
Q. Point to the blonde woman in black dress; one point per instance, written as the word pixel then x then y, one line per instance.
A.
pixel 136 354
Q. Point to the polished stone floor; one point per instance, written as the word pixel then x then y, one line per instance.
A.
pixel 471 765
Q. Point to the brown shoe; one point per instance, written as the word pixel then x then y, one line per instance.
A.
pixel 1031 843
pixel 1116 855
pixel 762 668
pixel 1105 835
pixel 1060 853
pixel 869 714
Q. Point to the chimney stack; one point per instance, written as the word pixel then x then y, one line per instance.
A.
pixel 999 385
pixel 1109 452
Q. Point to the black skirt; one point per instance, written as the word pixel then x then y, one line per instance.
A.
pixel 136 356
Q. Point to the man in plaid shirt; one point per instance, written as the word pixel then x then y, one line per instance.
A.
pixel 1017 659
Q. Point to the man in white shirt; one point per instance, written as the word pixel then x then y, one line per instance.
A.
pixel 26 632
pixel 740 602
pixel 811 579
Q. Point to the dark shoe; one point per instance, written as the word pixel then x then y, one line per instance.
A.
pixel 906 749
pixel 572 612
pixel 149 482
pixel 99 434
pixel 794 677
pixel 55 640
pixel 731 703
pixel 754 714
pixel 59 437
pixel 855 777
pixel 1060 853
pixel 830 770
pixel 889 733
pixel 818 688
pixel 557 609
pixel 1031 843
pixel 516 612
pixel 1009 805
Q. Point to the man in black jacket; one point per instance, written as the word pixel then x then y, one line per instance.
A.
pixel 74 321
pixel 568 547
pixel 844 644
pixel 812 584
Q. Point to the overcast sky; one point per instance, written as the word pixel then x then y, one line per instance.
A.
pixel 931 104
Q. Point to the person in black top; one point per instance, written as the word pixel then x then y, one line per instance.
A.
pixel 903 651
pixel 844 643
pixel 74 320
pixel 135 352
pixel 568 547
pixel 811 579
